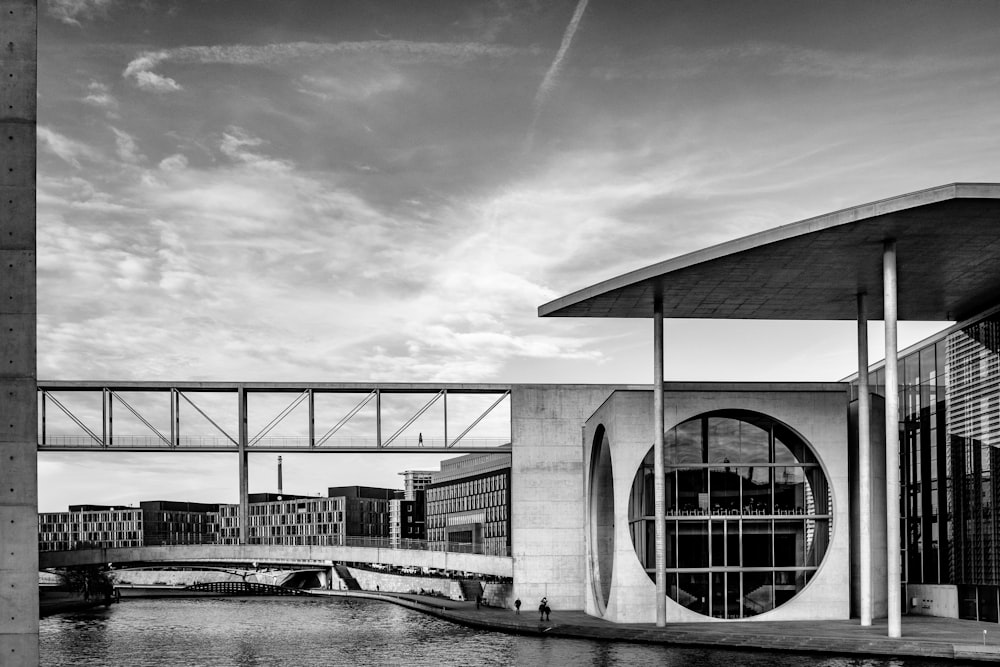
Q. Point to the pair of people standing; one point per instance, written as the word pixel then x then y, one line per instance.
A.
pixel 543 610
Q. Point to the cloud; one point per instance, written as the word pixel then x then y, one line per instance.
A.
pixel 127 149
pixel 784 60
pixel 100 96
pixel 72 11
pixel 67 149
pixel 140 69
pixel 236 140
pixel 176 162
pixel 362 87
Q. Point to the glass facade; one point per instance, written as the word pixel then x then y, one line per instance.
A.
pixel 748 514
pixel 949 430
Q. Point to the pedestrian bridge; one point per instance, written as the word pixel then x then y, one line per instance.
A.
pixel 271 555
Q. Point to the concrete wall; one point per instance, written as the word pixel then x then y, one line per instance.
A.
pixel 18 411
pixel 817 412
pixel 189 577
pixel 494 594
pixel 547 513
pixel 932 600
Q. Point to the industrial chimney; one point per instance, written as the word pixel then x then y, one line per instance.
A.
pixel 279 476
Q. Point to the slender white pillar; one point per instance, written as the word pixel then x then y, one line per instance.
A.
pixel 241 395
pixel 864 466
pixel 891 439
pixel 659 486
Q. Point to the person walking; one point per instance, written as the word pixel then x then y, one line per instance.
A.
pixel 517 606
pixel 542 606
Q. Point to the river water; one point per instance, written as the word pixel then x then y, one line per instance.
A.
pixel 266 632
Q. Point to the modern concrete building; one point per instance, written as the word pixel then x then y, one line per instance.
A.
pixel 153 523
pixel 284 520
pixel 949 398
pixel 468 503
pixel 87 526
pixel 414 481
pixel 815 491
pixel 292 520
pixel 407 518
pixel 178 522
pixel 366 509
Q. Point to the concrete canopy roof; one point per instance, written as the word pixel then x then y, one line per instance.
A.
pixel 947 257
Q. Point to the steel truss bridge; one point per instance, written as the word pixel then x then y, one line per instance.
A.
pixel 325 417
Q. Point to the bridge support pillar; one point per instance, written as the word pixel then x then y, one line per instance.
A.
pixel 18 359
pixel 243 467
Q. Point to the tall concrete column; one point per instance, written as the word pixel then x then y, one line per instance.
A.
pixel 659 490
pixel 864 466
pixel 891 439
pixel 18 315
pixel 241 394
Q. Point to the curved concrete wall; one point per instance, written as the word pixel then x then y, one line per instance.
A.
pixel 817 412
pixel 441 560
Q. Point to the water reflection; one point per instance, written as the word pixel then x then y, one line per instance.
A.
pixel 258 632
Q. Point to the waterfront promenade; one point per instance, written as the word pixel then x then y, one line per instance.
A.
pixel 923 636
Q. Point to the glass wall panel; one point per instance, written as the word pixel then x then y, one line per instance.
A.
pixel 789 490
pixel 733 597
pixel 692 491
pixel 733 544
pixel 692 544
pixel 928 366
pixel 670 546
pixel 649 562
pixel 670 489
pixel 817 540
pixel 757 551
pixel 692 591
pixel 758 593
pixel 683 444
pixel 718 594
pixel 723 440
pixel 786 585
pixel 755 442
pixel 725 490
pixel 718 544
pixel 789 449
pixel 988 604
pixel 756 490
pixel 817 500
pixel 789 543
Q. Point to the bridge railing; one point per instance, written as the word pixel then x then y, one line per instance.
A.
pixel 215 443
pixel 310 540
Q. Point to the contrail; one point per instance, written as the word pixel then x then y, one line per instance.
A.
pixel 550 76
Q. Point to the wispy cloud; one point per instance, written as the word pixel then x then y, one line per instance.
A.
pixel 780 59
pixel 140 69
pixel 73 11
pixel 67 149
pixel 99 95
pixel 127 149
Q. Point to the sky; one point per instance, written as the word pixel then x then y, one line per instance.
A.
pixel 386 191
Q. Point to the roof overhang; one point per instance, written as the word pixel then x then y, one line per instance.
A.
pixel 948 266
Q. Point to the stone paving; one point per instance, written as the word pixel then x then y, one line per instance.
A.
pixel 923 636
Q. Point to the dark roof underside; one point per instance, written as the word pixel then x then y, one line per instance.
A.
pixel 948 266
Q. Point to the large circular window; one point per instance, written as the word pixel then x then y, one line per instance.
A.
pixel 748 514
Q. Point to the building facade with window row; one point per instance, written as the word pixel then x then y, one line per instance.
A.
pixel 469 504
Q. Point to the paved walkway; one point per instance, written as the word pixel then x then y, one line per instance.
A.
pixel 923 636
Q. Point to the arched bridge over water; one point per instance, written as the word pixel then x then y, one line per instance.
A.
pixel 271 555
